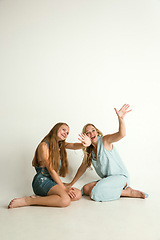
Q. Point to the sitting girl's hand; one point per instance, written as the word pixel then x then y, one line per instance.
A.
pixel 71 192
pixel 85 140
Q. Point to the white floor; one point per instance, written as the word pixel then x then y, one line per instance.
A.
pixel 125 219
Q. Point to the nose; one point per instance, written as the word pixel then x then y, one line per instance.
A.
pixel 91 134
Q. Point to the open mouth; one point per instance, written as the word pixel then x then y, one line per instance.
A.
pixel 93 137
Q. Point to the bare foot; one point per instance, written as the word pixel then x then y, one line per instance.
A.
pixel 129 192
pixel 19 202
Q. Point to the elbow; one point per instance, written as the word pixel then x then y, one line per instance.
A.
pixel 123 135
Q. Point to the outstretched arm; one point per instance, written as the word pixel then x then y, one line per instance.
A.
pixel 85 142
pixel 81 170
pixel 115 137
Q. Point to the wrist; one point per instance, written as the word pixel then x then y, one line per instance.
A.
pixel 120 118
pixel 63 187
pixel 71 183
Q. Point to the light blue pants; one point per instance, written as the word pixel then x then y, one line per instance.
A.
pixel 109 188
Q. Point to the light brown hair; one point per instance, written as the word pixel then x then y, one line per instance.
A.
pixel 88 150
pixel 54 146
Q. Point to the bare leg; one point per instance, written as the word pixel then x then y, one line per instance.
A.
pixel 129 192
pixel 87 189
pixel 78 195
pixel 56 197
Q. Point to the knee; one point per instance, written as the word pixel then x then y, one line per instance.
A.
pixel 86 189
pixel 78 194
pixel 65 201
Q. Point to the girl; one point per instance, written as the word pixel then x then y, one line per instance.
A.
pixel 107 163
pixel 50 160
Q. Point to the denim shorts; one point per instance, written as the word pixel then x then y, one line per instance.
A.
pixel 42 182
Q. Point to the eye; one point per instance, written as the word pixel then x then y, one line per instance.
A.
pixel 93 130
pixel 87 133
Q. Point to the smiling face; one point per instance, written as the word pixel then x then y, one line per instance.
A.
pixel 62 132
pixel 92 133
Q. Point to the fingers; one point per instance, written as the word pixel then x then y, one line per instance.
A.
pixel 124 108
pixel 82 136
pixel 72 193
pixel 129 110
pixel 115 110
pixel 123 111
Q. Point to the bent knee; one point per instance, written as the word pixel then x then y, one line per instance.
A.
pixel 78 195
pixel 65 201
pixel 86 190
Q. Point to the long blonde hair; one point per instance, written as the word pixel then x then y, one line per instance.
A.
pixel 88 150
pixel 54 147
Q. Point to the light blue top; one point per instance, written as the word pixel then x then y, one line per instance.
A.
pixel 108 163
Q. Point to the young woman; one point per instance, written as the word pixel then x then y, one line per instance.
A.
pixel 107 163
pixel 50 160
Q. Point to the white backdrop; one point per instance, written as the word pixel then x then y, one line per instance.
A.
pixel 74 61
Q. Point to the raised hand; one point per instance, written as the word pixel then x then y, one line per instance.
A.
pixel 123 111
pixel 85 140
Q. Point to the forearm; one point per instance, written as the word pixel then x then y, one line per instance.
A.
pixel 78 146
pixel 122 127
pixel 79 173
pixel 56 178
pixel 85 142
pixel 74 146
